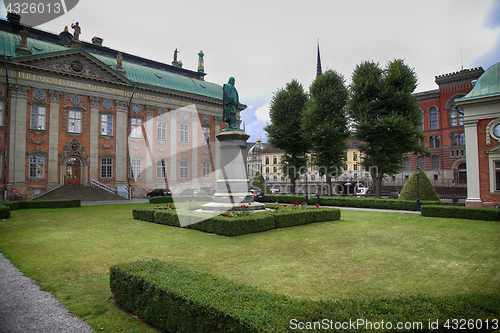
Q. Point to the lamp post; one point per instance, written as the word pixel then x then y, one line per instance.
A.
pixel 418 190
pixel 453 187
pixel 306 198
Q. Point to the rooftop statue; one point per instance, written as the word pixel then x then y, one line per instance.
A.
pixel 78 31
pixel 231 102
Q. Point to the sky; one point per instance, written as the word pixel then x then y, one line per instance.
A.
pixel 266 44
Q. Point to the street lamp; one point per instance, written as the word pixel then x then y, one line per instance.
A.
pixel 306 198
pixel 418 190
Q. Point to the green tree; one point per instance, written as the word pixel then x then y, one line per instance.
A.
pixel 325 124
pixel 386 116
pixel 285 132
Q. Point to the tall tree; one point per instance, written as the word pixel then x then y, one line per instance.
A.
pixel 325 123
pixel 285 132
pixel 386 116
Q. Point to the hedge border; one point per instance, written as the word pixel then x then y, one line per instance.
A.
pixel 470 213
pixel 337 201
pixel 180 198
pixel 225 226
pixel 15 205
pixel 178 299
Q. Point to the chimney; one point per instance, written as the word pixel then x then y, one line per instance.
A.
pixel 13 17
pixel 97 40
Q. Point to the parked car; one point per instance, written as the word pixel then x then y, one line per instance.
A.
pixel 258 195
pixel 209 190
pixel 189 191
pixel 158 192
pixel 275 191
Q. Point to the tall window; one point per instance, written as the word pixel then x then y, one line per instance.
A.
pixel 421 126
pixel 406 163
pixel 161 130
pixel 267 159
pixel 421 162
pixel 205 170
pixel 37 167
pixel 456 116
pixel 183 170
pixel 1 113
pixel 136 128
pixel 135 168
pixel 433 118
pixel 206 136
pixel 437 141
pixel 454 139
pixel 431 141
pixel 107 124
pixel 75 121
pixel 106 167
pixel 161 169
pixel 355 156
pixel 37 117
pixel 497 175
pixel 435 162
pixel 184 133
pixel 461 139
pixel 275 159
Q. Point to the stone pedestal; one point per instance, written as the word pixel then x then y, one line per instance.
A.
pixel 233 185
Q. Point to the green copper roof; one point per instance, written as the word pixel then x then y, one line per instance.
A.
pixel 487 85
pixel 135 72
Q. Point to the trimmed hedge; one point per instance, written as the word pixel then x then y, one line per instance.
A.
pixel 472 213
pixel 225 226
pixel 179 198
pixel 177 299
pixel 13 205
pixel 338 201
pixel 4 212
pixel 63 203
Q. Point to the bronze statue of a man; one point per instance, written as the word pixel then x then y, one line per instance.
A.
pixel 231 102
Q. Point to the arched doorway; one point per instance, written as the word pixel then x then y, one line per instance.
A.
pixel 73 171
pixel 461 174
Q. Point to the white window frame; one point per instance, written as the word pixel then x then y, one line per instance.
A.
pixel 74 121
pixel 36 166
pixel 184 170
pixel 37 119
pixel 205 135
pixel 135 168
pixel 161 169
pixel 106 167
pixel 205 170
pixel 107 124
pixel 184 132
pixel 161 130
pixel 136 128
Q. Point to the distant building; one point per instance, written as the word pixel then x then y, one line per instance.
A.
pixel 442 124
pixel 482 139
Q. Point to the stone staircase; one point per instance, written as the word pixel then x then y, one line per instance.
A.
pixel 84 193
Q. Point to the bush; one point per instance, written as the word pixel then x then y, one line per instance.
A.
pixel 472 213
pixel 426 191
pixel 177 299
pixel 394 204
pixel 13 205
pixel 237 226
pixel 4 212
pixel 164 199
pixel 63 203
pixel 287 198
pixel 180 198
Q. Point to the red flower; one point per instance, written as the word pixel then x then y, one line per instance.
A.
pixel 317 205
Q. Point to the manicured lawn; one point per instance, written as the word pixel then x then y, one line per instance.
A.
pixel 68 252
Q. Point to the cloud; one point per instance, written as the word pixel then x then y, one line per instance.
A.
pixel 262 113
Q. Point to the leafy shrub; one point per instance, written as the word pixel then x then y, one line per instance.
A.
pixel 426 191
pixel 394 204
pixel 62 203
pixel 164 199
pixel 177 299
pixel 180 198
pixel 147 215
pixel 472 213
pixel 4 212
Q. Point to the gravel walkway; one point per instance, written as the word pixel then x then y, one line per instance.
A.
pixel 24 308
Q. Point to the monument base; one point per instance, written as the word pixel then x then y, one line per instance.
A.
pixel 233 186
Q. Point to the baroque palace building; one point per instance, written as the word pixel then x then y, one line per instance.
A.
pixel 74 111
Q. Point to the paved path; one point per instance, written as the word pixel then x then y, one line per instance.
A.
pixel 24 308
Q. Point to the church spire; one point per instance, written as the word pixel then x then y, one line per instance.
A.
pixel 318 66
